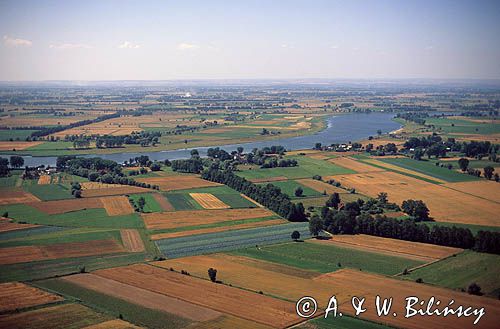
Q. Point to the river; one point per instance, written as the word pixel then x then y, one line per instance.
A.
pixel 340 129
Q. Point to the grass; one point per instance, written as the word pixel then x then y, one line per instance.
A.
pixel 463 269
pixel 235 200
pixel 130 312
pixel 63 236
pixel 15 134
pixel 10 181
pixel 29 232
pixel 289 186
pixel 48 192
pixel 429 168
pixel 324 259
pixel 341 322
pixel 64 266
pixel 151 204
pixel 307 168
pixel 81 218
pixel 474 228
pixel 462 126
pixel 182 201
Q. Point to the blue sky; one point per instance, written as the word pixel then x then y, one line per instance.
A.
pixel 148 40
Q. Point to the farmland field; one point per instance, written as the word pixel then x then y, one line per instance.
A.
pixel 182 201
pixel 326 258
pixel 15 295
pixel 289 186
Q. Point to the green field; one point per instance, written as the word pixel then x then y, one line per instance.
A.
pixel 307 168
pixel 226 194
pixel 48 192
pixel 289 186
pixel 458 126
pixel 64 266
pixel 341 322
pixel 429 168
pixel 324 259
pixel 182 201
pixel 81 218
pixel 463 269
pixel 15 134
pixel 130 312
pixel 151 204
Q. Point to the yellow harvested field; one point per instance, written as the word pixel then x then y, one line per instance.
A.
pixel 404 170
pixel 142 297
pixel 117 205
pixel 221 298
pixel 320 186
pixel 407 249
pixel 445 204
pixel 172 219
pixel 113 324
pixel 55 317
pixel 177 182
pixel 353 164
pixel 484 189
pixel 132 240
pixel 243 272
pixel 13 197
pixel 217 229
pixel 9 146
pixel 16 295
pixel 93 189
pixel 209 201
pixel 228 322
pixel 44 180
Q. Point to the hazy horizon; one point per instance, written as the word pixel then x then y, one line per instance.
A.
pixel 250 40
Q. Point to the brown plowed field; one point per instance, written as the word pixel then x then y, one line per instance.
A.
pixel 352 164
pixel 412 250
pixel 13 197
pixel 484 189
pixel 178 182
pixel 62 206
pixel 55 317
pixel 6 225
pixel 117 205
pixel 113 324
pixel 9 146
pixel 44 180
pixel 321 186
pixel 24 254
pixel 209 201
pixel 228 322
pixel 163 202
pixel 164 220
pixel 268 179
pixel 222 298
pixel 132 240
pixel 143 297
pixel 16 295
pixel 217 229
pixel 445 204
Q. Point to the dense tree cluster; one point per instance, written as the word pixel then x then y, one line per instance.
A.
pixel 417 209
pixel 193 165
pixel 267 195
pixel 273 163
pixel 417 117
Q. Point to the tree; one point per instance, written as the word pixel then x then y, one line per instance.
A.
pixel 141 202
pixel 4 167
pixel 212 274
pixel 155 166
pixel 239 149
pixel 295 235
pixel 463 163
pixel 195 153
pixel 299 191
pixel 315 225
pixel 474 289
pixel 382 197
pixel 333 201
pixel 379 132
pixel 417 209
pixel 16 161
pixel 317 146
pixel 488 171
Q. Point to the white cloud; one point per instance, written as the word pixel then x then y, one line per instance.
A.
pixel 70 46
pixel 429 48
pixel 334 47
pixel 129 45
pixel 15 42
pixel 187 46
pixel 286 45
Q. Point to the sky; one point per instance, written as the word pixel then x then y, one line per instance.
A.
pixel 248 39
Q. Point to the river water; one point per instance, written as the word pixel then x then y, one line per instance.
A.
pixel 340 129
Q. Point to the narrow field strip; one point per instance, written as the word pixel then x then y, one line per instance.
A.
pixel 209 201
pixel 132 240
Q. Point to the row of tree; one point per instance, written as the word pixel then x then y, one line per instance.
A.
pixel 15 161
pixel 268 195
